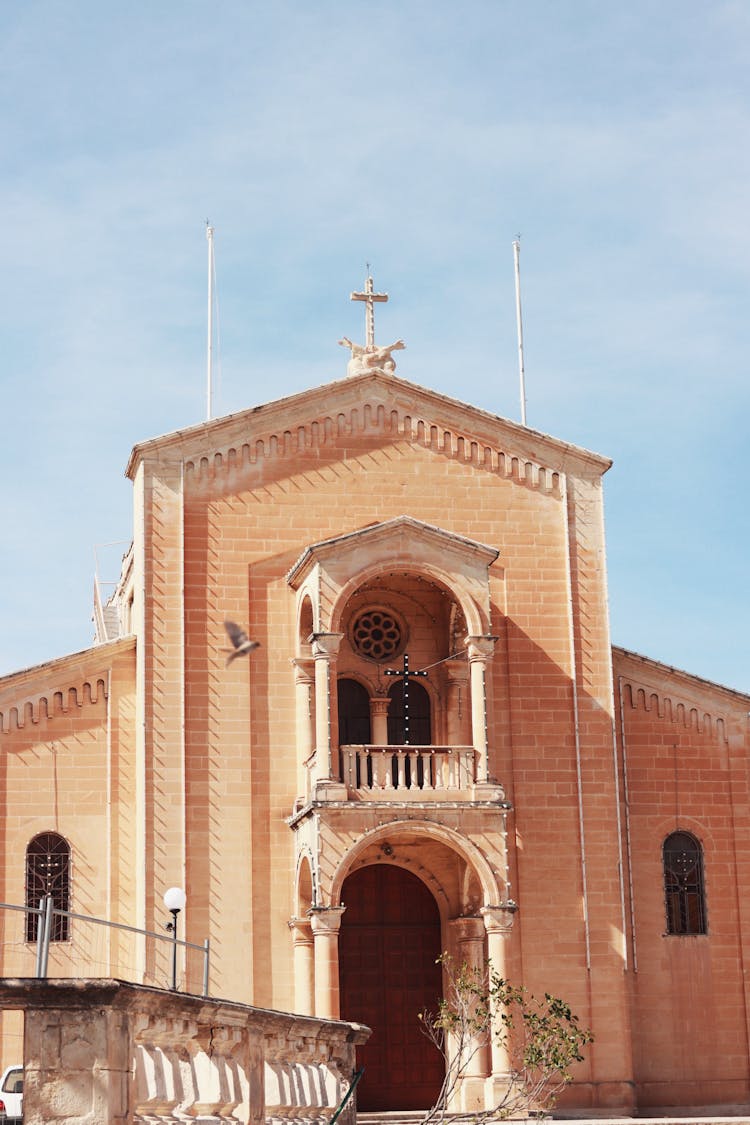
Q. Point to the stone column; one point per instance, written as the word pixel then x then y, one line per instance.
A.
pixel 379 720
pixel 498 922
pixel 481 650
pixel 467 944
pixel 304 965
pixel 326 922
pixel 304 681
pixel 325 647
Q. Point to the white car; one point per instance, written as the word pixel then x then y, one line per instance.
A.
pixel 11 1096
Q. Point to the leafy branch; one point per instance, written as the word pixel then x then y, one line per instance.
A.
pixel 541 1038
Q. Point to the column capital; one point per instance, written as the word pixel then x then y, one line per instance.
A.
pixel 499 919
pixel 326 919
pixel 325 645
pixel 481 647
pixel 304 669
pixel 457 671
pixel 301 928
pixel 379 705
pixel 467 928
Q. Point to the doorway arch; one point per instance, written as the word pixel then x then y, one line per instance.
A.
pixel 389 944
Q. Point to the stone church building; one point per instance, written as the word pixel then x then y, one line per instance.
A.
pixel 435 748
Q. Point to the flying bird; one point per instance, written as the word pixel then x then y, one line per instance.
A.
pixel 239 638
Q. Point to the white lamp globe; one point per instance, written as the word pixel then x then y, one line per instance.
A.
pixel 175 899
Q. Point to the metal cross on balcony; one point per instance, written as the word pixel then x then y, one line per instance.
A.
pixel 406 675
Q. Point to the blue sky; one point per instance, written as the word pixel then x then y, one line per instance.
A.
pixel 421 138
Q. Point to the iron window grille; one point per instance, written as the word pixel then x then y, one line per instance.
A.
pixel 48 873
pixel 683 884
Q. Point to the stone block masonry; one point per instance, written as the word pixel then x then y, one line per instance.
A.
pixel 102 1051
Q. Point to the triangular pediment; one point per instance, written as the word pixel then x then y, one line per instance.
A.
pixel 395 539
pixel 403 544
pixel 370 404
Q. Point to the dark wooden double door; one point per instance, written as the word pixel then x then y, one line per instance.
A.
pixel 388 949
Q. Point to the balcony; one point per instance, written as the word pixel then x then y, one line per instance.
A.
pixel 381 773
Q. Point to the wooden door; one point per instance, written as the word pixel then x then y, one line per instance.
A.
pixel 388 948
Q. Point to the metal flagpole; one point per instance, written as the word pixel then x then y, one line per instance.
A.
pixel 210 359
pixel 519 324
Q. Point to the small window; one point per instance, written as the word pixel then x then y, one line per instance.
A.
pixel 48 873
pixel 683 884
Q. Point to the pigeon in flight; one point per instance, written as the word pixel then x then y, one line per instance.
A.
pixel 239 638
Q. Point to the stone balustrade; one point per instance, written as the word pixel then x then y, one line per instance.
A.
pixel 377 772
pixel 101 1051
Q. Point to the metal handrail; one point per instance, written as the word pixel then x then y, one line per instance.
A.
pixel 46 912
pixel 352 1087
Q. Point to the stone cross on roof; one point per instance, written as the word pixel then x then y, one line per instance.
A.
pixel 368 357
pixel 369 297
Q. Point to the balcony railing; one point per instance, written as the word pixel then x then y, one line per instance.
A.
pixel 382 772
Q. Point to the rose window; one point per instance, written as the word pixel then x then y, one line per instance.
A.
pixel 377 634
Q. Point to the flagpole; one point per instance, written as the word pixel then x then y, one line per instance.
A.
pixel 519 324
pixel 210 356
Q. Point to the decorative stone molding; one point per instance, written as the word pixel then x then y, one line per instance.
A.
pixel 366 419
pixel 103 1051
pixel 683 712
pixel 71 697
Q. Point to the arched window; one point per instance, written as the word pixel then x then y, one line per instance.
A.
pixel 683 884
pixel 354 714
pixel 48 873
pixel 409 725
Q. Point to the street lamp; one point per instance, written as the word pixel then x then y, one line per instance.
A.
pixel 174 900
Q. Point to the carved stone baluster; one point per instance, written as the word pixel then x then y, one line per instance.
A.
pixel 387 770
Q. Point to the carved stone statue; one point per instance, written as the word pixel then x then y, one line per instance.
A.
pixel 371 357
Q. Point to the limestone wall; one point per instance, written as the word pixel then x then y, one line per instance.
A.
pixel 99 1051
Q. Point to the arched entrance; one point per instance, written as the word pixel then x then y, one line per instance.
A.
pixel 388 947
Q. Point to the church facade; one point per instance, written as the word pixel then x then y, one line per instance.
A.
pixel 435 748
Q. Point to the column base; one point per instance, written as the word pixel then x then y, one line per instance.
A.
pixel 487 791
pixel 472 1095
pixel 329 790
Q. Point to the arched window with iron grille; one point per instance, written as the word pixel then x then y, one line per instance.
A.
pixel 48 873
pixel 683 884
